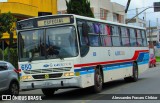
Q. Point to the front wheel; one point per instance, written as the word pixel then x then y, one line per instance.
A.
pixel 13 89
pixel 98 81
pixel 48 91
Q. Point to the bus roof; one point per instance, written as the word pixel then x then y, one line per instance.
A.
pixel 86 18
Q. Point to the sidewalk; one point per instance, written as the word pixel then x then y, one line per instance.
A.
pixel 158 63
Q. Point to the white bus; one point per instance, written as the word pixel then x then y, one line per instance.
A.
pixel 66 51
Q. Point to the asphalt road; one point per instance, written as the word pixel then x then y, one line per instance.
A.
pixel 148 83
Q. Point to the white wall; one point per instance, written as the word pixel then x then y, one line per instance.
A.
pixel 97 4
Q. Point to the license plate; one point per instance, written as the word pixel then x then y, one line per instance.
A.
pixel 46 84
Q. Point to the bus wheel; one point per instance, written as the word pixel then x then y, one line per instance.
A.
pixel 134 76
pixel 48 91
pixel 135 72
pixel 98 81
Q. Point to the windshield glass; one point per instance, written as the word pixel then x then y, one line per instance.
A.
pixel 50 43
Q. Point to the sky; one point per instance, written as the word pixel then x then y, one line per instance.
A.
pixel 141 5
pixel 3 0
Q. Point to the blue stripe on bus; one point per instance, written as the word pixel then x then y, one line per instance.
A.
pixel 90 70
pixel 143 58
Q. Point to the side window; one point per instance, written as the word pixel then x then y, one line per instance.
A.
pixel 139 37
pixel 144 39
pixel 116 36
pixel 83 39
pixel 94 32
pixel 124 36
pixel 105 35
pixel 132 37
pixel 3 67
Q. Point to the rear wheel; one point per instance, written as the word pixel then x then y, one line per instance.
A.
pixel 48 91
pixel 135 72
pixel 134 76
pixel 98 80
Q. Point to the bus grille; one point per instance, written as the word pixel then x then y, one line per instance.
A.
pixel 42 76
pixel 37 71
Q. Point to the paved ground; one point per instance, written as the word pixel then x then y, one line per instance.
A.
pixel 149 83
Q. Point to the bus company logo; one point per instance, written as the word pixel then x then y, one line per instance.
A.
pixel 119 53
pixel 62 64
pixel 26 66
pixel 51 65
pixel 45 65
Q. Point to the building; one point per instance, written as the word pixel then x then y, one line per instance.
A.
pixel 23 9
pixel 102 9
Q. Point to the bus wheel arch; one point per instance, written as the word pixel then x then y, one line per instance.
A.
pixel 98 79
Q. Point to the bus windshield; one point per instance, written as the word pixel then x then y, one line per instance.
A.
pixel 50 43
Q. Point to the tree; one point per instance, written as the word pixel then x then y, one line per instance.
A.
pixel 7 21
pixel 79 7
pixel 6 25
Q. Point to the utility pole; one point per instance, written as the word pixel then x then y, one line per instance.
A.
pixel 137 17
pixel 158 31
pixel 150 43
pixel 145 22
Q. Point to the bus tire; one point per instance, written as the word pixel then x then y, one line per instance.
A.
pixel 48 91
pixel 98 80
pixel 135 72
pixel 134 76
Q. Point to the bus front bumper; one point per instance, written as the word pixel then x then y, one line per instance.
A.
pixel 51 83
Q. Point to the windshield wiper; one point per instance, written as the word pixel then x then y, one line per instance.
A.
pixel 31 58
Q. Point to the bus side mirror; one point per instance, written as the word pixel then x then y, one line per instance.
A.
pixel 85 29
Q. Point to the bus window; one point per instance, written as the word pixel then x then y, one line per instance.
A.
pixel 105 35
pixel 62 41
pixel 83 39
pixel 30 47
pixel 94 32
pixel 116 36
pixel 139 38
pixel 124 35
pixel 132 37
pixel 144 40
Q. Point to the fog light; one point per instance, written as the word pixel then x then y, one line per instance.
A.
pixel 26 77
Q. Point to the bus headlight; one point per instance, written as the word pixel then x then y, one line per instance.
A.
pixel 69 74
pixel 26 77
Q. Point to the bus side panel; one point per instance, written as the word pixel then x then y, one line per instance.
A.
pixel 117 62
pixel 116 74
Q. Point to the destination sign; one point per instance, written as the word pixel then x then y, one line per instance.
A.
pixel 55 21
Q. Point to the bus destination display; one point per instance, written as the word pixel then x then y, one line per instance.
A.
pixel 55 21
